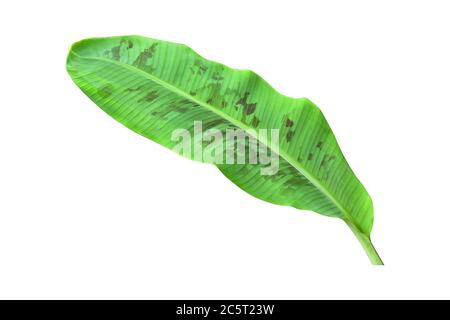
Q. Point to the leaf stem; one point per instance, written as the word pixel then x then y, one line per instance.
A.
pixel 366 244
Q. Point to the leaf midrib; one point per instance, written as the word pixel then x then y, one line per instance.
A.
pixel 235 122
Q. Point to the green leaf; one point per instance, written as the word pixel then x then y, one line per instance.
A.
pixel 156 88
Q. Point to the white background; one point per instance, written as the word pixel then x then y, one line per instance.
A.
pixel 89 209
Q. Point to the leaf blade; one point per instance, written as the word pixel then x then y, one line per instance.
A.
pixel 168 86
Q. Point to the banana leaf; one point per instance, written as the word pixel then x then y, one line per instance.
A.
pixel 167 92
